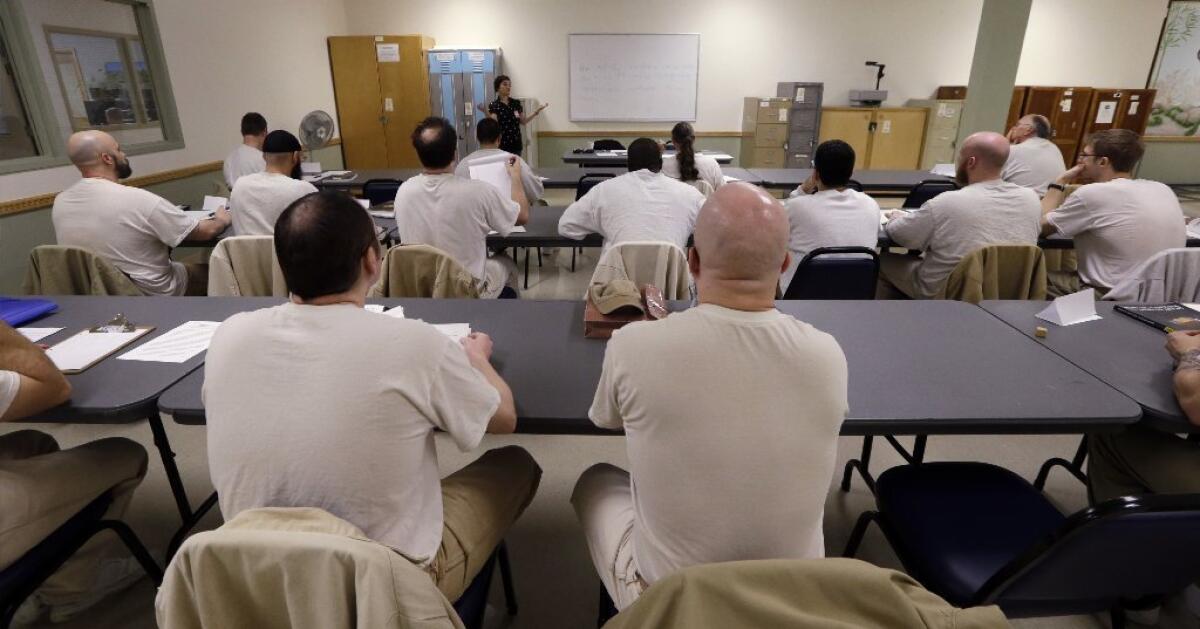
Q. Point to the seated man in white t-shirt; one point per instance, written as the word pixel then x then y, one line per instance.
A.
pixel 42 487
pixel 642 205
pixel 247 157
pixel 827 213
pixel 737 366
pixel 1033 160
pixel 487 131
pixel 1117 221
pixel 321 403
pixel 258 199
pixel 132 228
pixel 698 166
pixel 952 225
pixel 455 214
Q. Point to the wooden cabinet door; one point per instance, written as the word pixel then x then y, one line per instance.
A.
pixel 1105 109
pixel 404 90
pixel 353 64
pixel 898 137
pixel 1134 111
pixel 1016 107
pixel 851 126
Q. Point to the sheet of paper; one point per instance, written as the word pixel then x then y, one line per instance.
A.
pixel 366 203
pixel 176 346
pixel 387 53
pixel 728 179
pixel 310 168
pixel 455 331
pixel 945 170
pixel 376 308
pixel 36 334
pixel 1106 112
pixel 382 213
pixel 200 215
pixel 1195 307
pixel 211 203
pixel 495 175
pixel 519 229
pixel 85 348
pixel 1071 309
pixel 395 311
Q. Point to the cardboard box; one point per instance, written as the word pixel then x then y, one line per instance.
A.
pixel 773 136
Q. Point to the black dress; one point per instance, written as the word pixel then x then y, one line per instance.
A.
pixel 510 124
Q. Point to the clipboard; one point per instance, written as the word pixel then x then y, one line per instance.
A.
pixel 81 351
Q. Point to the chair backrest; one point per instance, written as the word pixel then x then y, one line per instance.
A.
pixel 297 568
pixel 380 191
pixel 1123 549
pixel 607 144
pixel 997 272
pixel 1170 275
pixel 926 190
pixel 661 264
pixel 703 186
pixel 245 266
pixel 795 593
pixel 589 181
pixel 853 184
pixel 423 271
pixel 835 273
pixel 63 270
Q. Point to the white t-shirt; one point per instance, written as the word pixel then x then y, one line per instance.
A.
pixel 455 215
pixel 704 488
pixel 529 179
pixel 639 206
pixel 133 229
pixel 710 170
pixel 1034 163
pixel 829 218
pixel 10 385
pixel 954 224
pixel 1119 224
pixel 335 407
pixel 258 199
pixel 243 160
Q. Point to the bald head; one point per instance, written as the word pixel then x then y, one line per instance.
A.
pixel 1039 125
pixel 741 236
pixel 981 157
pixel 85 147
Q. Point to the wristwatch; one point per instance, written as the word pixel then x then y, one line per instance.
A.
pixel 1058 186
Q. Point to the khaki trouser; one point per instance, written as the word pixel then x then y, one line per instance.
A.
pixel 499 271
pixel 603 501
pixel 480 503
pixel 1141 461
pixel 41 487
pixel 197 283
pixel 898 272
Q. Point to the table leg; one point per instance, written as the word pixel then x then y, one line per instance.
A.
pixel 168 460
pixel 527 267
pixel 189 523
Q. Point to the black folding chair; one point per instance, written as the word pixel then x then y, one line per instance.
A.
pixel 586 183
pixel 926 190
pixel 607 144
pixel 827 273
pixel 30 571
pixel 853 184
pixel 380 191
pixel 978 534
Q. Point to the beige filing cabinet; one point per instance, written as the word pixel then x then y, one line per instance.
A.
pixel 941 130
pixel 764 132
pixel 882 138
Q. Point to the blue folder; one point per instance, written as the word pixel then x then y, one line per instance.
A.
pixel 16 312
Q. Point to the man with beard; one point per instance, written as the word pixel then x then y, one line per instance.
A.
pixel 133 229
pixel 258 199
pixel 952 225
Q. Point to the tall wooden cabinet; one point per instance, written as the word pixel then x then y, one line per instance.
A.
pixel 1119 109
pixel 381 86
pixel 882 138
pixel 1067 110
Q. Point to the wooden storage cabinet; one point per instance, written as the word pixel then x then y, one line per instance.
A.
pixel 882 138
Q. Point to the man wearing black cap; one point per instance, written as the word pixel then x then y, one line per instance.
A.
pixel 258 199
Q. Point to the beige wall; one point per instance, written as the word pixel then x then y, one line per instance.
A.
pixel 227 57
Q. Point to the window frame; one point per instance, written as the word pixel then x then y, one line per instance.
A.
pixel 34 92
pixel 122 41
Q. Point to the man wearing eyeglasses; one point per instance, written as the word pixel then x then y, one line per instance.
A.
pixel 1117 221
pixel 1033 161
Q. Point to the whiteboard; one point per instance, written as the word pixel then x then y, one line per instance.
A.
pixel 638 77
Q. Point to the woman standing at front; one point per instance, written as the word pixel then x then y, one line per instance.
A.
pixel 507 111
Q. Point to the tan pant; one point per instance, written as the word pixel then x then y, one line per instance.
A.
pixel 499 271
pixel 197 284
pixel 898 272
pixel 480 503
pixel 1141 461
pixel 41 487
pixel 603 501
